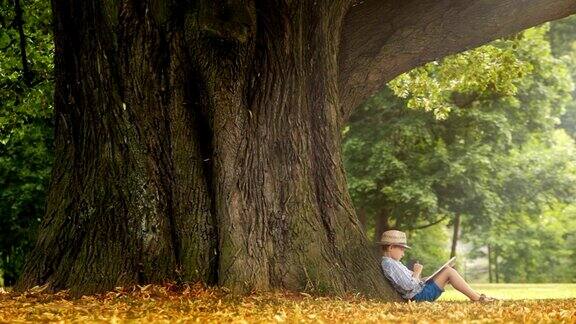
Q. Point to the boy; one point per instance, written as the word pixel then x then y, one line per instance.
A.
pixel 408 283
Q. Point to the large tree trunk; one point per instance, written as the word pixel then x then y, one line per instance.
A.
pixel 200 141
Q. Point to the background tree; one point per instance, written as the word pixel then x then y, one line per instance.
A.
pixel 26 128
pixel 409 166
pixel 453 153
pixel 534 241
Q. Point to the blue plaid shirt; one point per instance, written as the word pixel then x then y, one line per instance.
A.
pixel 401 278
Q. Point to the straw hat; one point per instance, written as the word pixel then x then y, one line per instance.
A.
pixel 394 237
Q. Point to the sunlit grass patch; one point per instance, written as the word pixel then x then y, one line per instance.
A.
pixel 517 291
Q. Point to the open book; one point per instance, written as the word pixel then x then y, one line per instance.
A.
pixel 448 263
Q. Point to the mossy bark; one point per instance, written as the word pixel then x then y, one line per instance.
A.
pixel 200 142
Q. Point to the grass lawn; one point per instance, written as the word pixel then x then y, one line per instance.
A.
pixel 516 291
pixel 167 304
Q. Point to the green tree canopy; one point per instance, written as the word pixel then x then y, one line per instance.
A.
pixel 466 113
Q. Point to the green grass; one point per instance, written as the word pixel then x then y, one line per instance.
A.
pixel 516 291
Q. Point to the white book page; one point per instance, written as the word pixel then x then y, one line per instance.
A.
pixel 449 262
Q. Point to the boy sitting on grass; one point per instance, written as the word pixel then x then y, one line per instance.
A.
pixel 408 283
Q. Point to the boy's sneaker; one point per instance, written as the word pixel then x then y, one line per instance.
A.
pixel 485 299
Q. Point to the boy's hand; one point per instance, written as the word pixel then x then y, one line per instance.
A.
pixel 418 267
pixel 417 270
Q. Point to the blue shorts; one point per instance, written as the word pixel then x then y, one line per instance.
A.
pixel 431 292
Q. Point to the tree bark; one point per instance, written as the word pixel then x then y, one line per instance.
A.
pixel 200 141
pixel 455 235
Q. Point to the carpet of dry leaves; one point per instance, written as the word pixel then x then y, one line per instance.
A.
pixel 170 303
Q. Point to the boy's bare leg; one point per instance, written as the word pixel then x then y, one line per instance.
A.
pixel 450 275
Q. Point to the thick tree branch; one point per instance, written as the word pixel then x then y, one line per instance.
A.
pixel 382 39
pixel 411 228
